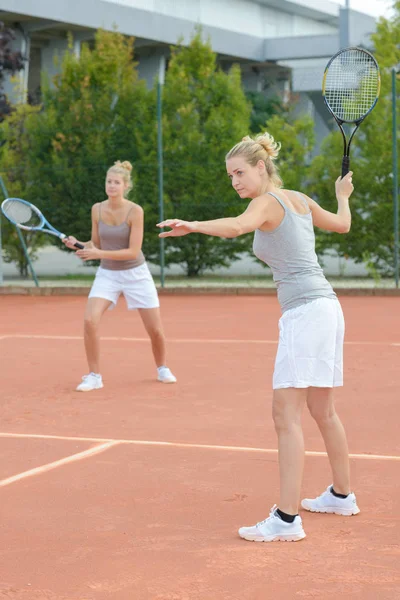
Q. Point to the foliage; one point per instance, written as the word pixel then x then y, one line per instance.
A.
pixel 15 174
pixel 371 240
pixel 91 117
pixel 263 108
pixel 297 140
pixel 205 112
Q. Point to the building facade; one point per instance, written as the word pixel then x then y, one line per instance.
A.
pixel 281 45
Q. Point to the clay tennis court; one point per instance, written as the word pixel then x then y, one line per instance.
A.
pixel 136 491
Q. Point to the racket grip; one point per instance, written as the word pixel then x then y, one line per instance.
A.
pixel 345 165
pixel 78 245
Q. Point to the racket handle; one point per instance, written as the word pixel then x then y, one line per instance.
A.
pixel 345 165
pixel 78 245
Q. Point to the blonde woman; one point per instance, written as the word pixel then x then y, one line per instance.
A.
pixel 309 361
pixel 116 240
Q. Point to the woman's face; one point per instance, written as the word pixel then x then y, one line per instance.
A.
pixel 115 185
pixel 246 180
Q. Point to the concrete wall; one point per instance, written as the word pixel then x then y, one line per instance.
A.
pixel 54 262
pixel 13 85
pixel 52 52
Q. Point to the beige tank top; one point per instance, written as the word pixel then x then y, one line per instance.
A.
pixel 116 237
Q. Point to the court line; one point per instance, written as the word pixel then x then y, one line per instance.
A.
pixel 186 445
pixel 179 340
pixel 58 463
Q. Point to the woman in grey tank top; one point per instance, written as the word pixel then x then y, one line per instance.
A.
pixel 310 350
pixel 117 235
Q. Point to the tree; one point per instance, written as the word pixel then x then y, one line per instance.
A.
pixel 297 139
pixel 10 62
pixel 371 238
pixel 15 173
pixel 205 114
pixel 263 107
pixel 375 181
pixel 324 170
pixel 92 112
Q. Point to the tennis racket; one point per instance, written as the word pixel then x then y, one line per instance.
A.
pixel 350 88
pixel 27 216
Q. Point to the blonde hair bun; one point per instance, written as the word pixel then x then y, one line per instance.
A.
pixel 124 165
pixel 270 146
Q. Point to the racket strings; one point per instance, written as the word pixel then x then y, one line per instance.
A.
pixel 352 84
pixel 21 213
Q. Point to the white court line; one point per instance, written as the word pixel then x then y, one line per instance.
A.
pixel 186 445
pixel 59 463
pixel 145 339
pixel 178 340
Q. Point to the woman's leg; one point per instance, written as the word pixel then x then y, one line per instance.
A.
pixel 95 309
pixel 151 319
pixel 287 410
pixel 321 406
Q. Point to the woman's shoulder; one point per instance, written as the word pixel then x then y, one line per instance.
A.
pixel 133 208
pixel 101 203
pixel 297 192
pixel 95 209
pixel 286 191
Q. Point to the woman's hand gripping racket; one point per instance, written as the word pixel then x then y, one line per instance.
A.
pixel 350 88
pixel 26 216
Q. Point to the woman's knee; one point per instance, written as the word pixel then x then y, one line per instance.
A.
pixel 322 414
pixel 91 322
pixel 287 406
pixel 285 416
pixel 94 311
pixel 156 334
pixel 320 404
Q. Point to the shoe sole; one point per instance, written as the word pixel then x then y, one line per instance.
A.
pixel 333 511
pixel 90 389
pixel 167 381
pixel 277 538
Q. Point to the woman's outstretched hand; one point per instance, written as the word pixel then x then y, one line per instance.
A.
pixel 177 227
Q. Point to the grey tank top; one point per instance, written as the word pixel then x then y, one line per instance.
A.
pixel 289 250
pixel 116 237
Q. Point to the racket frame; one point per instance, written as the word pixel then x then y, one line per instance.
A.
pixel 43 221
pixel 357 122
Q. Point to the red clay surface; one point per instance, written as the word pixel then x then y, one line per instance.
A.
pixel 159 522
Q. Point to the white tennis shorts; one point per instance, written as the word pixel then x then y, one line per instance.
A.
pixel 310 349
pixel 135 284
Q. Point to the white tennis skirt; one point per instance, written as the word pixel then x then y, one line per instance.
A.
pixel 310 349
pixel 135 284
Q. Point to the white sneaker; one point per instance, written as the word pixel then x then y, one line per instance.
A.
pixel 328 503
pixel 273 529
pixel 165 375
pixel 90 382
